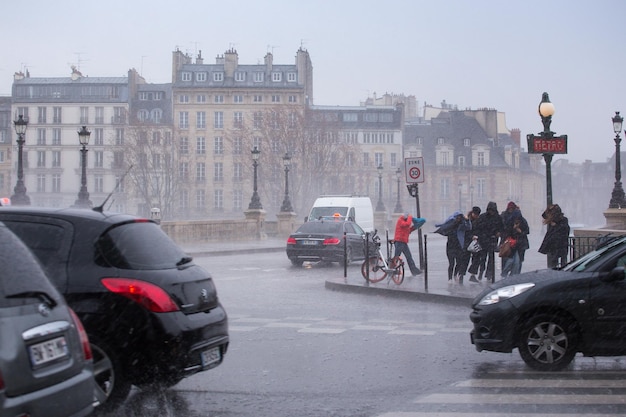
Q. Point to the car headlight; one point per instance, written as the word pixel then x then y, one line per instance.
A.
pixel 505 293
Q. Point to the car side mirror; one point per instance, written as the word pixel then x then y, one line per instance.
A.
pixel 616 274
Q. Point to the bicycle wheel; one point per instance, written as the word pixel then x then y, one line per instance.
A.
pixel 376 269
pixel 398 273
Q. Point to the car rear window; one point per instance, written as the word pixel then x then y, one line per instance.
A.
pixel 139 245
pixel 321 227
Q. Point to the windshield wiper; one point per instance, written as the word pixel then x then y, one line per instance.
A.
pixel 44 297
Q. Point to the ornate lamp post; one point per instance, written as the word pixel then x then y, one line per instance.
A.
pixel 460 202
pixel 380 206
pixel 286 202
pixel 255 202
pixel 83 195
pixel 617 196
pixel 398 208
pixel 19 198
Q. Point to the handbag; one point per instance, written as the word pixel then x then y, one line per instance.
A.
pixel 474 247
pixel 506 248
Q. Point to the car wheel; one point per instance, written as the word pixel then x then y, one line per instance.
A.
pixel 112 387
pixel 548 342
pixel 296 261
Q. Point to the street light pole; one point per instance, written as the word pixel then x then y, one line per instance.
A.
pixel 398 208
pixel 255 202
pixel 617 196
pixel 380 206
pixel 460 191
pixel 19 198
pixel 546 110
pixel 286 202
pixel 83 195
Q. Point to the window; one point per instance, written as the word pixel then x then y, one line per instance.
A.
pixel 440 141
pixel 258 77
pixel 218 122
pixel 293 99
pixel 84 115
pixel 200 120
pixel 218 171
pixel 98 136
pixel 200 171
pixel 183 170
pixel 237 200
pixel 143 115
pixel 200 199
pixel 41 137
pixel 98 183
pixel 201 98
pixel 256 142
pixel 156 115
pixel 201 77
pixel 275 98
pixel 292 119
pixel 237 171
pixel 99 115
pixel 41 183
pixel 257 99
pixel 238 99
pixel 56 159
pixel 218 200
pixel 98 159
pixel 480 159
pixel 218 145
pixel 56 183
pixel 218 98
pixel 379 159
pixel 291 77
pixel 185 76
pixel 276 77
pixel 200 145
pixel 481 187
pixel 394 159
pixel 41 159
pixel 183 98
pixel 370 117
pixel 184 145
pixel 461 161
pixel 257 121
pixel 41 115
pixel 240 76
pixel 444 188
pixel 238 119
pixel 366 159
pixel 218 76
pixel 56 115
pixel 419 140
pixel 143 96
pixel 385 117
pixel 466 142
pixel 118 159
pixel 183 120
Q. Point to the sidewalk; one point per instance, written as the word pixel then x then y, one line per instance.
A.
pixel 431 285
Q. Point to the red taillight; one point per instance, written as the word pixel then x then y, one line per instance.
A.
pixel 84 340
pixel 291 240
pixel 147 295
pixel 1 382
pixel 332 241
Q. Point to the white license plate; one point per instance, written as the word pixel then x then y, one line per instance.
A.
pixel 309 242
pixel 48 351
pixel 210 356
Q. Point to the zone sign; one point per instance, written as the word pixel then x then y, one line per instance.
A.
pixel 414 169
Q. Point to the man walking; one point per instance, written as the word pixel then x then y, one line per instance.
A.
pixel 404 227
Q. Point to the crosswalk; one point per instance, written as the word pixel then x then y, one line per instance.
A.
pixel 593 388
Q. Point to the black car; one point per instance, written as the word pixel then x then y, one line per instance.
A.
pixel 550 315
pixel 45 358
pixel 152 315
pixel 323 240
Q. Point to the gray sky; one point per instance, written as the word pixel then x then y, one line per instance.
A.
pixel 472 53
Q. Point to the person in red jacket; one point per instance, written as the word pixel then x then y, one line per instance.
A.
pixel 404 227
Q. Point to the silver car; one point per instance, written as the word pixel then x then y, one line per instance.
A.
pixel 45 357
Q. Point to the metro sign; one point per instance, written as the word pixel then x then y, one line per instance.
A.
pixel 541 144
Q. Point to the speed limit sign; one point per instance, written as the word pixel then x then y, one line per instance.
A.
pixel 414 169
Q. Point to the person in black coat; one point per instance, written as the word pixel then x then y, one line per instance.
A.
pixel 555 242
pixel 515 227
pixel 487 230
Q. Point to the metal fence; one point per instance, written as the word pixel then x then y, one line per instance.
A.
pixel 582 245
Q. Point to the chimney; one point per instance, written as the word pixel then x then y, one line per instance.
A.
pixel 199 59
pixel 516 136
pixel 231 60
pixel 269 60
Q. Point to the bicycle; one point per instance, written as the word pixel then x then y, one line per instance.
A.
pixel 380 266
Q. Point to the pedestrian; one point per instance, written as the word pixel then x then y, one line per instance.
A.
pixel 487 229
pixel 454 228
pixel 515 227
pixel 404 227
pixel 472 255
pixel 555 241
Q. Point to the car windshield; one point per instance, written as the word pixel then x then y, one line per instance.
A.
pixel 140 245
pixel 319 212
pixel 589 260
pixel 321 227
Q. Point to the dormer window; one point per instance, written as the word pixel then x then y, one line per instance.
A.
pixel 466 142
pixel 440 141
pixel 276 76
pixel 185 76
pixel 240 76
pixel 218 76
pixel 291 77
pixel 201 77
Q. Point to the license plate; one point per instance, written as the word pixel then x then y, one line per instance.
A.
pixel 210 356
pixel 47 351
pixel 309 242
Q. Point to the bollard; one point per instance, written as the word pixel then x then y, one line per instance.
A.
pixel 425 266
pixel 345 255
pixel 367 259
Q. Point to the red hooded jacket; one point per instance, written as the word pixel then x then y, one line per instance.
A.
pixel 404 227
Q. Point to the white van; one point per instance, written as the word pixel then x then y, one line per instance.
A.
pixel 357 209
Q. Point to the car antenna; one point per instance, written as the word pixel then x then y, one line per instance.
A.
pixel 100 208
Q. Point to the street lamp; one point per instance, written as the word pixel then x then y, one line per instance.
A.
pixel 380 206
pixel 255 203
pixel 460 191
pixel 471 196
pixel 83 195
pixel 19 198
pixel 286 202
pixel 617 196
pixel 398 208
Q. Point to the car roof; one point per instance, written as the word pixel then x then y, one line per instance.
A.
pixel 70 213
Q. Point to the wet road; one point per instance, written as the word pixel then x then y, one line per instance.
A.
pixel 300 350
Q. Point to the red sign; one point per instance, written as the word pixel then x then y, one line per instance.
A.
pixel 538 144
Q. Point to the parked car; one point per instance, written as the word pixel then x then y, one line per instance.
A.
pixel 45 358
pixel 152 315
pixel 322 240
pixel 550 315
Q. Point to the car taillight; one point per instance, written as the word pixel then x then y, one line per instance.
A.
pixel 1 382
pixel 331 241
pixel 291 241
pixel 84 340
pixel 147 295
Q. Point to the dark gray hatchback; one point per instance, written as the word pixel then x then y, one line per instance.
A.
pixel 152 314
pixel 45 360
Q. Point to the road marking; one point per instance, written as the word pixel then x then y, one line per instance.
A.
pixel 542 383
pixel 321 330
pixel 499 398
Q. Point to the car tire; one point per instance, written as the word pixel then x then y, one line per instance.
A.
pixel 296 262
pixel 548 342
pixel 112 387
